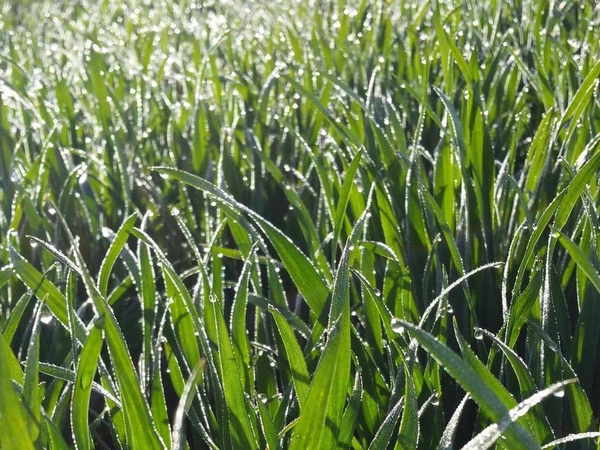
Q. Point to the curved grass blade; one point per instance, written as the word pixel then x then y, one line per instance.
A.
pixel 243 434
pixel 495 404
pixel 572 438
pixel 140 427
pixel 61 373
pixel 582 261
pixel 306 278
pixel 16 314
pixel 44 290
pixel 562 205
pixel 239 336
pixel 119 241
pixel 580 100
pixel 267 425
pixel 185 401
pixel 12 364
pixel 491 434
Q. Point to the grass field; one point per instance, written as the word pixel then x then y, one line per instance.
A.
pixel 299 224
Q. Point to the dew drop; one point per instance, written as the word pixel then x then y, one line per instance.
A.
pixel 397 326
pixel 478 334
pixel 435 400
pixel 449 309
pixel 46 319
pixel 560 393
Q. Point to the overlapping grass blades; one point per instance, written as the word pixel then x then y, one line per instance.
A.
pixel 243 201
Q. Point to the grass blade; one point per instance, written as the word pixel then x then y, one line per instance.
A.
pixel 86 370
pixel 494 403
pixel 491 434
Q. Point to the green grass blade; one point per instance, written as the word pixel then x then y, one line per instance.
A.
pixel 526 383
pixel 342 203
pixel 119 241
pixel 41 286
pixel 17 430
pixel 580 258
pixel 328 389
pixel 576 186
pixel 409 425
pixel 571 438
pixel 185 401
pixel 86 370
pixel 141 430
pixel 241 343
pixel 386 430
pixel 580 100
pixel 31 391
pixel 242 432
pixel 447 441
pixel 488 437
pixel 13 366
pixel 308 281
pixel 294 356
pixel 351 413
pixel 494 403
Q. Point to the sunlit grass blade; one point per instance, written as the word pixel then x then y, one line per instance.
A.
pixel 408 437
pixel 344 197
pixel 141 431
pixel 116 246
pixel 294 357
pixel 328 389
pixel 306 278
pixel 495 404
pixel 31 389
pixel 241 343
pixel 243 434
pixel 351 413
pixel 447 441
pixel 185 401
pixel 571 438
pixel 384 433
pixel 488 437
pixel 17 430
pixel 42 287
pixel 86 369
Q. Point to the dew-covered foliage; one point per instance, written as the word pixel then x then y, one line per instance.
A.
pixel 299 224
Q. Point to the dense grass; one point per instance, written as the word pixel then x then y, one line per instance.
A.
pixel 253 224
